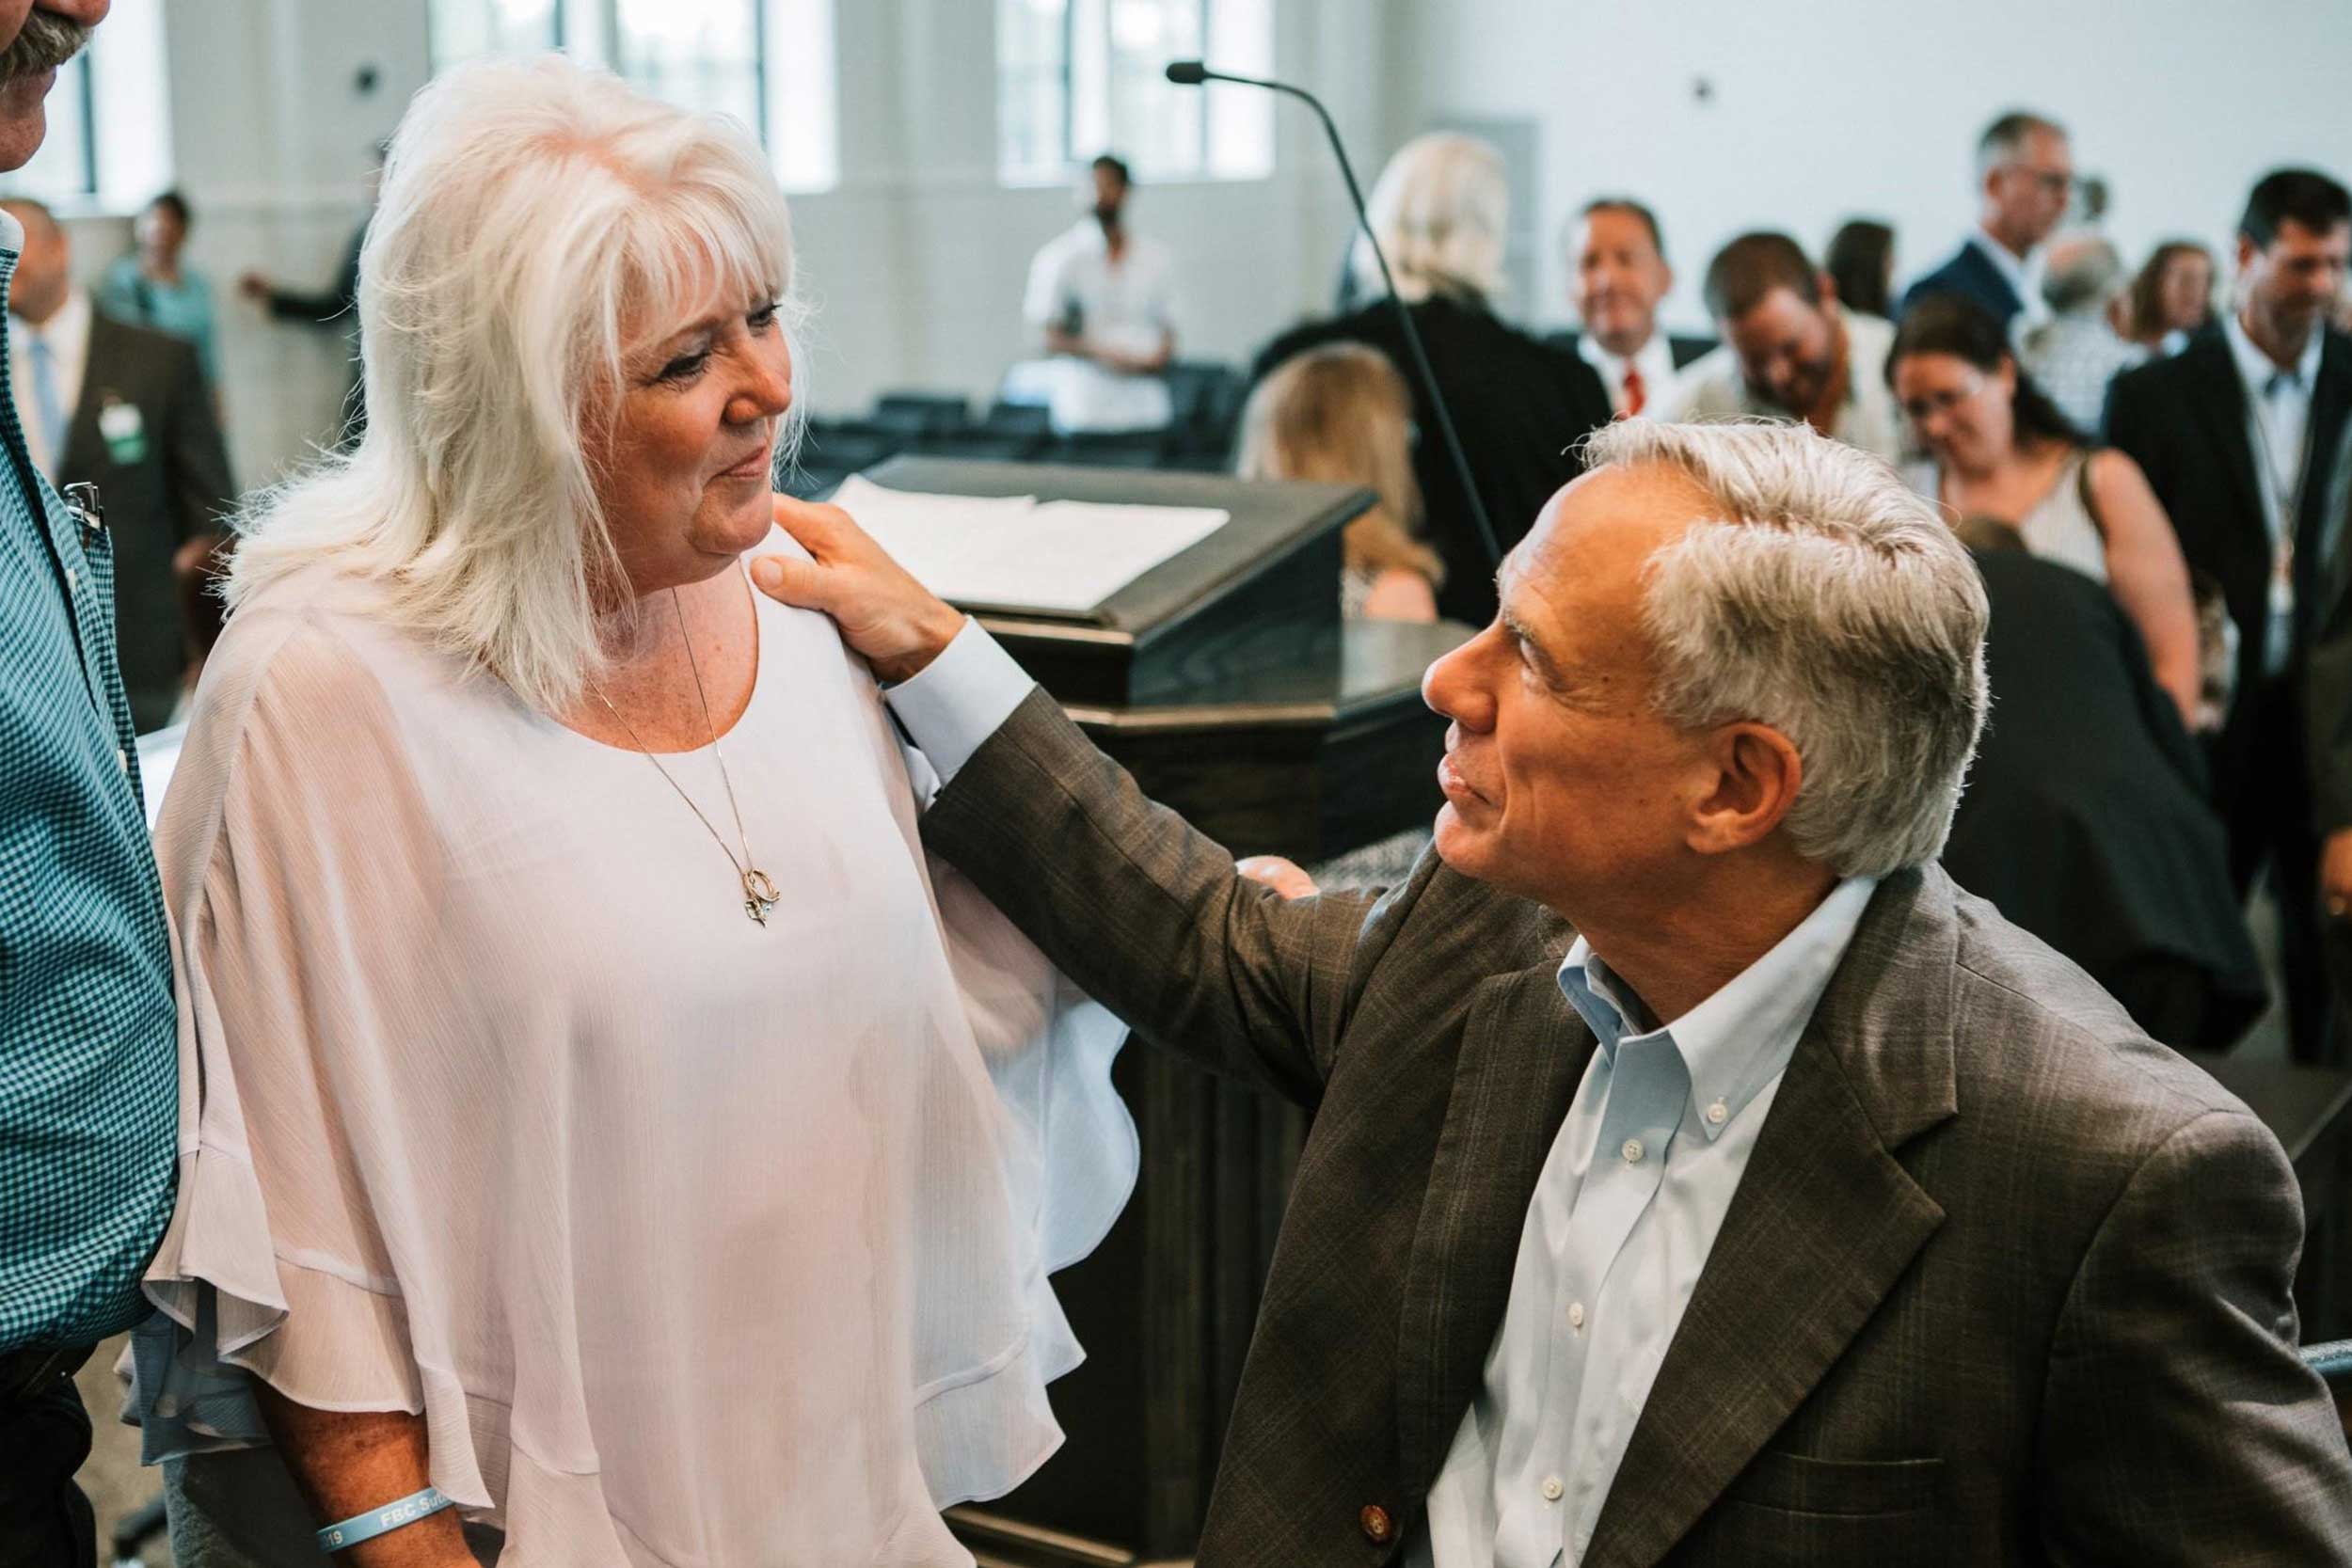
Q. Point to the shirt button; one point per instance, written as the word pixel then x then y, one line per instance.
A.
pixel 1377 1525
pixel 1576 1316
pixel 1718 1114
pixel 73 578
pixel 1552 1489
pixel 1633 1152
pixel 122 760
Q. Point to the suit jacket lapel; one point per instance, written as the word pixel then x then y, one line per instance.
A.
pixel 79 455
pixel 1823 1224
pixel 2220 403
pixel 1523 1053
pixel 2316 531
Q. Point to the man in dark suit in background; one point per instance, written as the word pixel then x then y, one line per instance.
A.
pixel 1619 258
pixel 1697 1176
pixel 2328 710
pixel 2026 171
pixel 124 408
pixel 2239 434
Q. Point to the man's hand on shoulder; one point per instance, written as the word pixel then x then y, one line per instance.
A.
pixel 894 622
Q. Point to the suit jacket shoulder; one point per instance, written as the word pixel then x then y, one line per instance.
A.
pixel 1969 274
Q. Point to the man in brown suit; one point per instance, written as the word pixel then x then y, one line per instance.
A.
pixel 1697 1174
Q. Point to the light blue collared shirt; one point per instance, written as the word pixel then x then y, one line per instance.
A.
pixel 1624 1216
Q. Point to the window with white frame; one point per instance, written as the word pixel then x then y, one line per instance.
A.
pixel 770 63
pixel 1075 78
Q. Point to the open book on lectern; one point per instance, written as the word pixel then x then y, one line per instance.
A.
pixel 1119 587
pixel 1019 554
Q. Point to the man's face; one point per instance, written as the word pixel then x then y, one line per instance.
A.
pixel 43 271
pixel 36 38
pixel 1620 277
pixel 2292 282
pixel 1106 193
pixel 1561 783
pixel 1787 349
pixel 2029 192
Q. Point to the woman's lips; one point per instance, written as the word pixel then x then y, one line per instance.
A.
pixel 754 467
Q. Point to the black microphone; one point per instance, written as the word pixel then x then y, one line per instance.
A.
pixel 1192 73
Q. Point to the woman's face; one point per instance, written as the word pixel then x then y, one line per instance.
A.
pixel 1960 412
pixel 2186 292
pixel 683 470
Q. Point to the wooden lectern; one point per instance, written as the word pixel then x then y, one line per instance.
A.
pixel 1226 682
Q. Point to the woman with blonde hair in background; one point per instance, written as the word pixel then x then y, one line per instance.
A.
pixel 598 1112
pixel 1342 414
pixel 1442 211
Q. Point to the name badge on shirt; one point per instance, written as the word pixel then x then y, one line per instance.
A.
pixel 124 430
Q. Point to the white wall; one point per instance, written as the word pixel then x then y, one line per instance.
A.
pixel 1837 108
pixel 915 262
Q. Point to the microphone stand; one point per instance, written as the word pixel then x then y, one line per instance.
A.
pixel 1193 74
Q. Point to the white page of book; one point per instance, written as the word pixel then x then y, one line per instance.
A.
pixel 1056 556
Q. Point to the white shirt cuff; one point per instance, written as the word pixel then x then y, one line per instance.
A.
pixel 960 698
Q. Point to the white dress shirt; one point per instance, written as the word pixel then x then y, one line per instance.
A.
pixel 1624 1216
pixel 66 337
pixel 2277 429
pixel 1127 305
pixel 2023 275
pixel 1655 359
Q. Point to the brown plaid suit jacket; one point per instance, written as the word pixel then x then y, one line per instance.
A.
pixel 2005 1282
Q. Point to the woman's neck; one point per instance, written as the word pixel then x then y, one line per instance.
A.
pixel 163 269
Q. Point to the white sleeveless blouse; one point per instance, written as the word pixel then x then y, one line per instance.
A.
pixel 695 1242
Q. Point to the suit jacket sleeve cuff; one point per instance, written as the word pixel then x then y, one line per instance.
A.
pixel 960 698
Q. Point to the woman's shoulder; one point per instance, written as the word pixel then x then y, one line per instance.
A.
pixel 322 641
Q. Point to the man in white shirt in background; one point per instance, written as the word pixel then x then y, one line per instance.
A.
pixel 2026 170
pixel 1104 297
pixel 1619 258
pixel 2076 353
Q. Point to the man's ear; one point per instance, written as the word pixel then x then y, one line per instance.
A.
pixel 1757 773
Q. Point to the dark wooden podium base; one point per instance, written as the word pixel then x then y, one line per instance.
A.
pixel 1298 765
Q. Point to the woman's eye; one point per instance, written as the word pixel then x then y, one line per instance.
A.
pixel 763 318
pixel 686 366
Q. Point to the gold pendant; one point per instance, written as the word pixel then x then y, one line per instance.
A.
pixel 759 895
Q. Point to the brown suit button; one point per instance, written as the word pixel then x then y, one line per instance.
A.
pixel 1377 1525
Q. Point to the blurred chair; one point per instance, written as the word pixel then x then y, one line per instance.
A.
pixel 921 414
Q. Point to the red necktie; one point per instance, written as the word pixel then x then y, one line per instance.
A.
pixel 1635 394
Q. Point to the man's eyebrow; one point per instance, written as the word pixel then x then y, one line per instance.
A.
pixel 1526 640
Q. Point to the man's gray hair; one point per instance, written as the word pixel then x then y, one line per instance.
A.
pixel 2082 274
pixel 2004 138
pixel 1831 602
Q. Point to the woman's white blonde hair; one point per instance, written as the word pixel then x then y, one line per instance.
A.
pixel 1442 210
pixel 537 218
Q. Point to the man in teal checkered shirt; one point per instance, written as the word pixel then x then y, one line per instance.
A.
pixel 88 1075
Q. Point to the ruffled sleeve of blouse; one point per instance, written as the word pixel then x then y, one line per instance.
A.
pixel 305 957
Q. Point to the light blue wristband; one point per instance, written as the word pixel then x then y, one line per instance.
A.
pixel 383 1521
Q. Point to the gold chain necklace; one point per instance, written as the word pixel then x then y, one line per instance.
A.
pixel 759 889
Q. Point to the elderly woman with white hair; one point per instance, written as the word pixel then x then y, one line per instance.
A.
pixel 598 1112
pixel 1442 209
